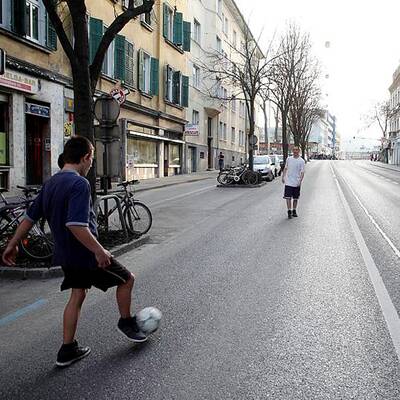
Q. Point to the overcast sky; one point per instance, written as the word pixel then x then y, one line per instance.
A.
pixel 364 48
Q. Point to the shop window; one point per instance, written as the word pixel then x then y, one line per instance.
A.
pixel 174 155
pixel 142 151
pixel 3 133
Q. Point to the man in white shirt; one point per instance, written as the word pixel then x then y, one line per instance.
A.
pixel 292 178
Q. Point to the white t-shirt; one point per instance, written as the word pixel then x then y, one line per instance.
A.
pixel 294 167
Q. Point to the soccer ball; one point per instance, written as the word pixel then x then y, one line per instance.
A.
pixel 148 320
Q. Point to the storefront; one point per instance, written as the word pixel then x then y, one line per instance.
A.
pixel 151 152
pixel 4 141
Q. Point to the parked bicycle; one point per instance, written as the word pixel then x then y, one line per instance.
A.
pixel 237 175
pixel 38 244
pixel 137 216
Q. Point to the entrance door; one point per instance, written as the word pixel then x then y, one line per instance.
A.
pixel 34 149
pixel 194 160
pixel 209 143
pixel 191 163
pixel 166 156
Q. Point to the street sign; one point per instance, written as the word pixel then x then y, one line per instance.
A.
pixel 119 94
pixel 253 139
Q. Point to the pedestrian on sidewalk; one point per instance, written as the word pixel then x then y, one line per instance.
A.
pixel 221 158
pixel 292 177
pixel 65 202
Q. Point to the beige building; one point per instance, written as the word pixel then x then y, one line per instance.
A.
pixel 391 147
pixel 147 61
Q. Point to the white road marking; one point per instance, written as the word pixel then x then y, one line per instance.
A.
pixel 388 309
pixel 180 196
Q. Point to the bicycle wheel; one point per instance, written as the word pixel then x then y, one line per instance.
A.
pixel 38 244
pixel 252 178
pixel 224 178
pixel 138 218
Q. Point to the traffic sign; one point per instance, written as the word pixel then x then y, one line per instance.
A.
pixel 119 94
pixel 253 139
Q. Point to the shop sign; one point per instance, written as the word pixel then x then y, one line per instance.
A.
pixel 68 126
pixel 18 81
pixel 47 144
pixel 68 104
pixel 36 109
pixel 192 130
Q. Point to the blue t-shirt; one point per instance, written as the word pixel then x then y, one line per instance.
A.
pixel 65 201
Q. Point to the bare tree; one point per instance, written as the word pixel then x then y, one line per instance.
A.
pixel 305 108
pixel 244 70
pixel 381 114
pixel 85 75
pixel 287 71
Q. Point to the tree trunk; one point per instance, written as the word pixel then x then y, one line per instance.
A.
pixel 264 108
pixel 251 132
pixel 285 145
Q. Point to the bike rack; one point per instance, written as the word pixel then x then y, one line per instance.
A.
pixel 120 213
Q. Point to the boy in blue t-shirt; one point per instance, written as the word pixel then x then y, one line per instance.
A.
pixel 65 202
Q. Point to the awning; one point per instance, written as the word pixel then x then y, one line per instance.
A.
pixel 154 137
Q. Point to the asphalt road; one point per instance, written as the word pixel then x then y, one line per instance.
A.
pixel 255 306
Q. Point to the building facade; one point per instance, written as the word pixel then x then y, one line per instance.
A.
pixel 391 147
pixel 218 121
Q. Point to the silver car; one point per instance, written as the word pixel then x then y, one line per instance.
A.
pixel 263 164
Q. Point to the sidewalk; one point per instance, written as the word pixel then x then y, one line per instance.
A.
pixel 386 166
pixel 22 272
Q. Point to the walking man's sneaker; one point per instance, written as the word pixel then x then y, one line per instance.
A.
pixel 294 213
pixel 129 328
pixel 289 214
pixel 69 353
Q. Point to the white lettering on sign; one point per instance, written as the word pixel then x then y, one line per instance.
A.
pixel 17 81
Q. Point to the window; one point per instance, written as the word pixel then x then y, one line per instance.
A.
pixel 174 155
pixel 195 117
pixel 196 76
pixel 219 44
pixel 219 7
pixel 32 20
pixel 234 103
pixel 242 113
pixel 233 135
pixel 221 129
pixel 176 87
pixel 4 114
pixel 241 138
pixel 197 31
pixel 225 132
pixel 234 39
pixel 146 72
pixel 146 18
pixel 170 23
pixel 175 29
pixel 108 62
pixel 226 26
pixel 142 151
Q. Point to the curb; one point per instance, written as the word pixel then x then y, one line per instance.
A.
pixel 386 167
pixel 57 272
pixel 172 184
pixel 243 186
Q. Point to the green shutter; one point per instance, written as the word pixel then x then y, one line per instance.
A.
pixel 166 76
pixel 119 57
pixel 185 91
pixel 96 34
pixel 165 20
pixel 176 87
pixel 129 50
pixel 186 35
pixel 141 71
pixel 51 35
pixel 178 28
pixel 18 16
pixel 154 76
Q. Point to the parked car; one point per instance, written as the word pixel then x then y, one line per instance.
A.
pixel 280 162
pixel 263 164
pixel 276 163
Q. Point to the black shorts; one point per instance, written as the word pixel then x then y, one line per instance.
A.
pixel 291 192
pixel 102 278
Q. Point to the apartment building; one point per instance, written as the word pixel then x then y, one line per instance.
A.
pixel 147 61
pixel 218 122
pixel 391 147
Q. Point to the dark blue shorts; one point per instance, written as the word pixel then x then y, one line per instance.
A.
pixel 291 192
pixel 102 278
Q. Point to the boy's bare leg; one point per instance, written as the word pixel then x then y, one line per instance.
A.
pixel 71 314
pixel 294 204
pixel 289 204
pixel 124 297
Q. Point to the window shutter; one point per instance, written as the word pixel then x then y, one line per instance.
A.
pixel 176 87
pixel 178 28
pixel 51 36
pixel 129 63
pixel 185 91
pixel 18 17
pixel 141 71
pixel 119 57
pixel 166 76
pixel 154 76
pixel 186 35
pixel 96 34
pixel 165 20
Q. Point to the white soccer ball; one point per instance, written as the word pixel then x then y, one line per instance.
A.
pixel 148 319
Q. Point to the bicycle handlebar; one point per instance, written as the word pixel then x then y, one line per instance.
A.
pixel 127 183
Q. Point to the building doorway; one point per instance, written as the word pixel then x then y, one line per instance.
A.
pixel 166 161
pixel 37 150
pixel 191 163
pixel 209 143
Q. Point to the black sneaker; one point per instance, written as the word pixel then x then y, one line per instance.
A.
pixel 294 214
pixel 69 353
pixel 130 329
pixel 289 214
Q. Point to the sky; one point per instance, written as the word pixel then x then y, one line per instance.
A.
pixel 363 52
